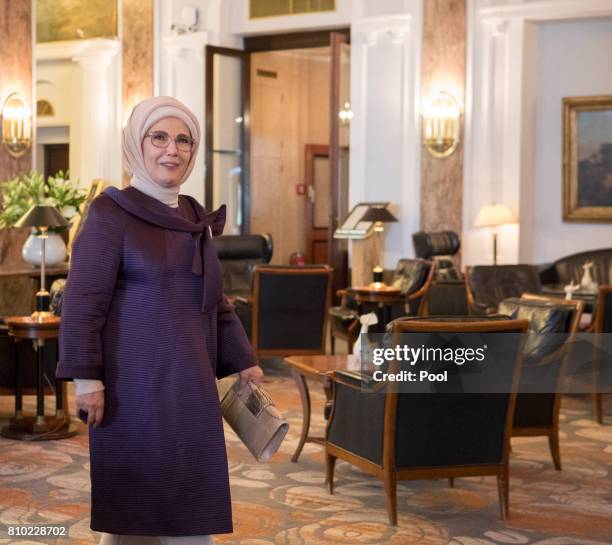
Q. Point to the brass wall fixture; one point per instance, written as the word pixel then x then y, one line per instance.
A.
pixel 16 125
pixel 441 125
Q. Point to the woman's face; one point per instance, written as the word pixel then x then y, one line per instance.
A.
pixel 166 166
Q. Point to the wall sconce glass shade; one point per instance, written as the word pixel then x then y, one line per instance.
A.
pixel 346 114
pixel 16 125
pixel 441 125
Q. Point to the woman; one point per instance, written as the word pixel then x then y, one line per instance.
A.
pixel 145 330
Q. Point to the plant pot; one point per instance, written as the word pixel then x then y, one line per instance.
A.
pixel 55 250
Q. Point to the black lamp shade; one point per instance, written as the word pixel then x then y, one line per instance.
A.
pixel 42 216
pixel 378 213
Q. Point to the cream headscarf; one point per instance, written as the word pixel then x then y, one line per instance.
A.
pixel 143 116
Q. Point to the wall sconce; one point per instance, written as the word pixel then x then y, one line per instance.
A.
pixel 346 114
pixel 16 125
pixel 441 125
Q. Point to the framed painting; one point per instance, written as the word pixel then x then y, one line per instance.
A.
pixel 587 159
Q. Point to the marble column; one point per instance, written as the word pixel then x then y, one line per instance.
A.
pixel 15 76
pixel 15 70
pixel 137 37
pixel 443 69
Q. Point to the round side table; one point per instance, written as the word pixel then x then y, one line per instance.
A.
pixel 39 427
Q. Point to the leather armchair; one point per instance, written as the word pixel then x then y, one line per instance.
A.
pixel 423 436
pixel 603 324
pixel 239 254
pixel 447 295
pixel 439 247
pixel 412 276
pixel 569 268
pixel 551 323
pixel 489 285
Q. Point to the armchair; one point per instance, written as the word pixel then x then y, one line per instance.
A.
pixel 424 436
pixel 551 323
pixel 439 246
pixel 412 276
pixel 239 254
pixel 603 324
pixel 488 285
pixel 290 306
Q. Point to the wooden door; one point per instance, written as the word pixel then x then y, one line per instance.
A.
pixel 227 135
pixel 317 208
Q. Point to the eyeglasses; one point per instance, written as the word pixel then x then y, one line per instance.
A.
pixel 161 139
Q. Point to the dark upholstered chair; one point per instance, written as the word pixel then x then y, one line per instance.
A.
pixel 412 276
pixel 489 285
pixel 439 247
pixel 290 306
pixel 603 324
pixel 551 324
pixel 569 268
pixel 238 255
pixel 447 295
pixel 424 436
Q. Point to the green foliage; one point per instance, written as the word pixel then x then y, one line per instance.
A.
pixel 21 193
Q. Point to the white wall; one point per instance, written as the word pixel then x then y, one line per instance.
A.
pixel 573 59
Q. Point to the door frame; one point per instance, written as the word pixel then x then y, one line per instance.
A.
pixel 298 40
pixel 245 133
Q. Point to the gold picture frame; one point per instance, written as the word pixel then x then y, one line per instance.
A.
pixel 95 188
pixel 587 159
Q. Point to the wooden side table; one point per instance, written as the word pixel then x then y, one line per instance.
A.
pixel 39 427
pixel 383 297
pixel 319 369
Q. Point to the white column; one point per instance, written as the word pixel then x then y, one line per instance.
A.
pixel 98 136
pixel 182 77
pixel 385 130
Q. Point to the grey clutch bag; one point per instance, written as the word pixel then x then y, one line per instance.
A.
pixel 255 420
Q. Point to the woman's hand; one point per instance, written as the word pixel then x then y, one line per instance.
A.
pixel 254 374
pixel 93 405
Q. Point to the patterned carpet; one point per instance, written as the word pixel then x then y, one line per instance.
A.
pixel 281 503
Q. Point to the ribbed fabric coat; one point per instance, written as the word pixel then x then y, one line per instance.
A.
pixel 144 312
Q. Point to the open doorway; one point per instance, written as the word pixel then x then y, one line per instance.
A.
pixel 278 137
pixel 290 115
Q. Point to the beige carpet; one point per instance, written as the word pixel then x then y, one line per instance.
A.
pixel 281 503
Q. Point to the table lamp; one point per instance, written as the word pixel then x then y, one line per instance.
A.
pixel 42 217
pixel 379 215
pixel 494 215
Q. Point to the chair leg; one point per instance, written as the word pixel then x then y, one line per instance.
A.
pixel 330 464
pixel 553 442
pixel 332 343
pixel 390 481
pixel 503 492
pixel 598 407
pixel 451 482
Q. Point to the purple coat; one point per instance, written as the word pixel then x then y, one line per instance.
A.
pixel 144 312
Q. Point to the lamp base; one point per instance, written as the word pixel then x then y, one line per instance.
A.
pixel 42 311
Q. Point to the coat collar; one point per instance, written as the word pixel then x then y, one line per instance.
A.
pixel 205 259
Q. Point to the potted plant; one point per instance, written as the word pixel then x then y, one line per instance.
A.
pixel 22 192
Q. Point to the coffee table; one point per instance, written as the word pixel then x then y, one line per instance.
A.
pixel 319 369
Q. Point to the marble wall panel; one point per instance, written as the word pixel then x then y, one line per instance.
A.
pixel 443 69
pixel 15 70
pixel 137 36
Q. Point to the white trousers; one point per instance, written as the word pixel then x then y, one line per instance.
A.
pixel 118 539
